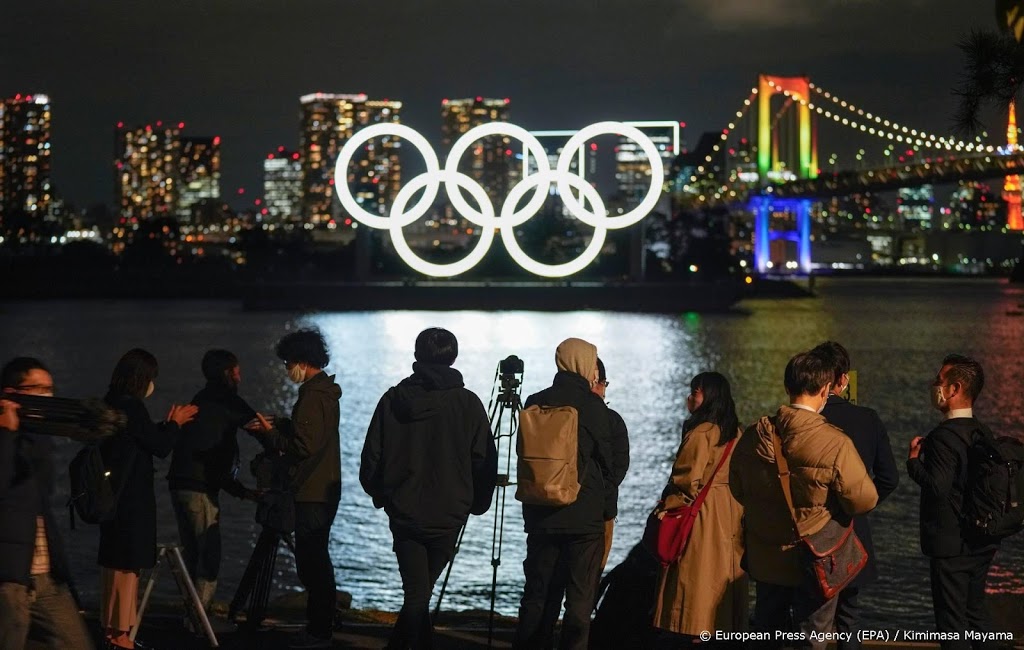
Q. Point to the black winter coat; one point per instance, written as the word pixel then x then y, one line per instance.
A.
pixel 594 464
pixel 310 441
pixel 26 485
pixel 206 455
pixel 429 459
pixel 129 541
pixel 871 439
pixel 620 462
pixel 941 471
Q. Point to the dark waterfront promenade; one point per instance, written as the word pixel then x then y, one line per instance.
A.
pixel 895 328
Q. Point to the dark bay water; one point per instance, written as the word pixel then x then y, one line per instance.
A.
pixel 896 330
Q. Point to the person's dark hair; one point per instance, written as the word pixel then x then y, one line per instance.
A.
pixel 305 346
pixel 807 373
pixel 17 369
pixel 718 407
pixel 967 372
pixel 437 345
pixel 216 364
pixel 602 376
pixel 837 356
pixel 133 373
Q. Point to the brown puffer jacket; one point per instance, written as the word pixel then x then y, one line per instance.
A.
pixel 828 480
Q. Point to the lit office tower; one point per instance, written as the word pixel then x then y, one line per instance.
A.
pixel 198 173
pixel 147 161
pixel 25 157
pixel 282 187
pixel 915 207
pixel 491 161
pixel 327 121
pixel 633 169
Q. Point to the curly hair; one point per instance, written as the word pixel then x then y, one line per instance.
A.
pixel 305 346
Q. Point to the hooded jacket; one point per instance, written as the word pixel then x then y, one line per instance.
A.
pixel 429 459
pixel 310 440
pixel 828 480
pixel 577 366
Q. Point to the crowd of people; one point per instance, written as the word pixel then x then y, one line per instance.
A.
pixel 429 460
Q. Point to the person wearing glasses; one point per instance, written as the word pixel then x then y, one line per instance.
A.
pixel 35 581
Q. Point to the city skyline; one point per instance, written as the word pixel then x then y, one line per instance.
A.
pixel 613 62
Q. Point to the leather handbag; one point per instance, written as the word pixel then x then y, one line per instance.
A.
pixel 668 531
pixel 834 555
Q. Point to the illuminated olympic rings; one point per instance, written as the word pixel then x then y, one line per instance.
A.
pixel 429 182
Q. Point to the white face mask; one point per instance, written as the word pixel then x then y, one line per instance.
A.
pixel 297 374
pixel 150 389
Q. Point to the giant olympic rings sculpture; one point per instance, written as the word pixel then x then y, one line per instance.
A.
pixel 402 214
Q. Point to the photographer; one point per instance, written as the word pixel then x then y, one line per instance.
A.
pixel 429 435
pixel 205 462
pixel 310 444
pixel 35 593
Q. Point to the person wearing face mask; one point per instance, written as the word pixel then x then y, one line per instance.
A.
pixel 938 463
pixel 705 589
pixel 828 481
pixel 870 437
pixel 128 541
pixel 310 443
pixel 35 582
pixel 205 462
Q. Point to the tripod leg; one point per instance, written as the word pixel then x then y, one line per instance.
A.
pixel 447 574
pixel 188 591
pixel 248 581
pixel 258 610
pixel 145 594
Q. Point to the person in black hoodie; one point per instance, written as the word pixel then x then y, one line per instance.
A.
pixel 572 535
pixel 309 442
pixel 938 463
pixel 871 439
pixel 428 435
pixel 205 462
pixel 35 583
pixel 128 542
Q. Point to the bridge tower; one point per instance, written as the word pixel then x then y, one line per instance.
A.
pixel 798 88
pixel 1011 188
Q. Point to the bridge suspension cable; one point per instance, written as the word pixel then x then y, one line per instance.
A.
pixel 740 114
pixel 900 133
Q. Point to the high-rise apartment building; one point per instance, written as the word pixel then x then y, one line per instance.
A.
pixel 25 185
pixel 147 165
pixel 327 121
pixel 633 169
pixel 198 173
pixel 491 161
pixel 915 207
pixel 282 187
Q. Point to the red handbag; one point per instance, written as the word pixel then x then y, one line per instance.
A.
pixel 668 531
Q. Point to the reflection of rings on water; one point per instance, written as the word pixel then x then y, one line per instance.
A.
pixel 509 217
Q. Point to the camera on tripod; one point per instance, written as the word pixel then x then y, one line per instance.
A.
pixel 510 378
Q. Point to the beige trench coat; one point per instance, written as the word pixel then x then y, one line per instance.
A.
pixel 705 589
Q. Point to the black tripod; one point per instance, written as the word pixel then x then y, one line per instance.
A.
pixel 254 589
pixel 503 414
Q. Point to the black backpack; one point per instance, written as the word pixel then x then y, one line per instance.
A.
pixel 626 607
pixel 993 506
pixel 93 495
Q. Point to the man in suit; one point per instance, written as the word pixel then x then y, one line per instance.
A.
pixel 938 462
pixel 871 439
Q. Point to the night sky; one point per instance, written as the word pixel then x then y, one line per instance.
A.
pixel 236 68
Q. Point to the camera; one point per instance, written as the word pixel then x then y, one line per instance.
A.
pixel 510 378
pixel 511 365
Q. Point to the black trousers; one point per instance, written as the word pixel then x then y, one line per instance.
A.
pixel 848 617
pixel 313 564
pixel 958 595
pixel 580 555
pixel 421 559
pixel 796 609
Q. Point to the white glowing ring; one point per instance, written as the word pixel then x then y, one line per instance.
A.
pixel 653 157
pixel 531 145
pixel 430 181
pixel 400 219
pixel 350 149
pixel 589 194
